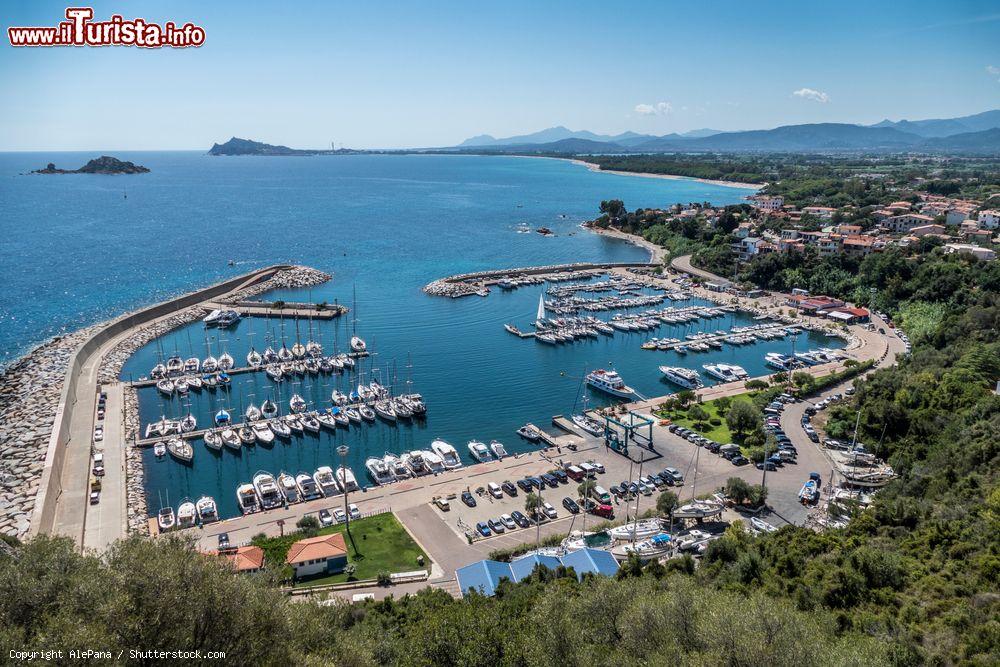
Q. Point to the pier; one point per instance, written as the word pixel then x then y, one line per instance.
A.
pixel 781 326
pixel 279 309
pixel 466 284
pixel 148 382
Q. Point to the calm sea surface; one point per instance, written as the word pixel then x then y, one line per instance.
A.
pixel 77 251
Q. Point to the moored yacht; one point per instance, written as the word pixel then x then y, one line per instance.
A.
pixel 384 409
pixel 397 466
pixel 346 480
pixel 165 519
pixel 358 344
pixel 480 451
pixel 324 478
pixel 449 456
pixel 415 461
pixel 780 361
pixel 498 449
pixel 609 382
pixel 289 490
pixel 307 486
pixel 682 377
pixel 267 490
pixel 186 514
pixel 378 470
pixel 269 409
pixel 207 510
pixel 434 463
pixel 246 498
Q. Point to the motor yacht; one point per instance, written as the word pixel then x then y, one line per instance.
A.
pixel 307 486
pixel 263 433
pixel 609 382
pixel 246 499
pixel 187 514
pixel 434 463
pixel 480 451
pixel 324 478
pixel 498 449
pixel 398 467
pixel 378 471
pixel 682 377
pixel 289 489
pixel 346 480
pixel 449 456
pixel 207 510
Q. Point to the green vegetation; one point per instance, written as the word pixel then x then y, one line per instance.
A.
pixel 381 544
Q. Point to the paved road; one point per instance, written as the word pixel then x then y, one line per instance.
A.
pixel 683 264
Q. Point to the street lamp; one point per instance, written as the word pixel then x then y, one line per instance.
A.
pixel 342 451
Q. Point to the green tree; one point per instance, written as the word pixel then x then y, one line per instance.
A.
pixel 742 417
pixel 532 503
pixel 308 524
pixel 666 502
pixel 697 414
pixel 586 487
pixel 737 490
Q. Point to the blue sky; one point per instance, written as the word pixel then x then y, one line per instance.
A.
pixel 433 73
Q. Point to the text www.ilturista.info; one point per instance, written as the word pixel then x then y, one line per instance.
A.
pixel 80 30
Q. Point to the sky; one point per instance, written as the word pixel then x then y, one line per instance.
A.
pixel 429 73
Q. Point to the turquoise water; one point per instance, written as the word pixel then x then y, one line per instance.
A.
pixel 77 251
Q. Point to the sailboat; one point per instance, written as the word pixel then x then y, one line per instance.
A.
pixel 357 343
pixel 254 358
pixel 540 322
pixel 269 409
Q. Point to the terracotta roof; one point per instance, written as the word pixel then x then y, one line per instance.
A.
pixel 244 558
pixel 313 548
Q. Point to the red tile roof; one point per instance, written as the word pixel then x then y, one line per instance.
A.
pixel 313 548
pixel 244 558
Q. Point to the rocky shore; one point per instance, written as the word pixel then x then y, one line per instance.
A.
pixel 29 398
pixel 30 394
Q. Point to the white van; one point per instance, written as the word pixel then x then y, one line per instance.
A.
pixel 494 490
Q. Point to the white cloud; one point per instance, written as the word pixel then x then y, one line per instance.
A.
pixel 658 109
pixel 993 71
pixel 810 94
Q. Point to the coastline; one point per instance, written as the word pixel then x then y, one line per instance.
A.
pixel 657 254
pixel 642 174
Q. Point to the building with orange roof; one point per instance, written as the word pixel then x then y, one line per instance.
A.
pixel 243 559
pixel 323 554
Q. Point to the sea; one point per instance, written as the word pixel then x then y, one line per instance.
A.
pixel 79 249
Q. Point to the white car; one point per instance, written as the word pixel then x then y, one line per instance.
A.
pixel 508 521
pixel 353 511
pixel 549 511
pixel 324 518
pixel 98 434
pixel 339 516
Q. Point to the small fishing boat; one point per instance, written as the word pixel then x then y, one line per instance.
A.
pixel 165 519
pixel 207 510
pixel 159 450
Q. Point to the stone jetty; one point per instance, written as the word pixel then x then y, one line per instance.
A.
pixel 29 398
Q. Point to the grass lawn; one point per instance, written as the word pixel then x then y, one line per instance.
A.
pixel 719 433
pixel 383 545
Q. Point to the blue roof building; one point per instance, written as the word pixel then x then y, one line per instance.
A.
pixel 591 560
pixel 484 576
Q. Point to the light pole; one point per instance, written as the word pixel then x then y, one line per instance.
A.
pixel 342 451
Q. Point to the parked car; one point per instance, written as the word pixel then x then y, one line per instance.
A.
pixel 550 480
pixel 325 518
pixel 601 510
pixel 468 499
pixel 768 466
pixel 549 511
pixel 442 503
pixel 509 488
pixel 223 540
pixel 353 511
pixel 508 521
pixel 739 460
pixel 98 464
pixel 525 485
pixel 520 519
pixel 494 490
pixel 496 525
pixel 483 529
pixel 571 505
pixel 560 476
pixel 339 516
pixel 675 475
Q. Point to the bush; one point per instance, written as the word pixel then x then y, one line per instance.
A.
pixel 308 524
pixel 383 578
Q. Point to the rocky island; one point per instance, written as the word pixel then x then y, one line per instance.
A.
pixel 102 165
pixel 237 146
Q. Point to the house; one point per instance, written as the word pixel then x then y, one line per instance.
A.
pixel 243 559
pixel 484 576
pixel 849 230
pixel 983 254
pixel 824 212
pixel 323 554
pixel 978 236
pixel 746 248
pixel 899 206
pixel 813 304
pixel 989 219
pixel 860 246
pixel 904 223
pixel 927 230
pixel 767 202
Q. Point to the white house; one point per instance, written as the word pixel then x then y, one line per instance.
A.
pixel 323 554
pixel 989 219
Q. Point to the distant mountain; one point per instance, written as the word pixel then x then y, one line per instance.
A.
pixel 984 142
pixel 237 146
pixel 946 127
pixel 810 137
pixel 571 145
pixel 550 135
pixel 103 165
pixel 699 134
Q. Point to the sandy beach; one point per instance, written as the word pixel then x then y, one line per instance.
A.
pixel 656 253
pixel 671 177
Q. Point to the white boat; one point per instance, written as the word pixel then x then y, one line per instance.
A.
pixel 252 413
pixel 385 410
pixel 353 415
pixel 449 456
pixel 498 449
pixel 207 510
pixel 289 489
pixel 228 318
pixel 338 397
pixel 378 471
pixel 189 423
pixel 165 519
pixel 726 372
pixel 762 526
pixel 254 358
pixel 180 450
pixel 588 424
pixel 158 371
pixel 366 413
pixel 324 479
pixel 159 450
pixel 415 461
pixel 654 547
pixel 212 439
pixel 609 382
pixel 210 364
pixel 270 356
pixel 230 438
pixel 310 423
pixel 780 361
pixel 434 463
pixel 195 382
pixel 212 318
pixel 165 386
pixel 699 509
pixel 307 486
pixel 246 498
pixel 247 435
pixel 269 409
pixel 638 530
pixel 296 403
pixel 327 420
pixel 267 490
pixel 263 433
pixel 294 423
pixel 397 466
pixel 226 361
pixel 358 344
pixel 222 417
pixel 530 433
pixel 346 480
pixel 274 372
pixel 187 514
pixel 298 350
pixel 480 451
pixel 181 386
pixel 682 377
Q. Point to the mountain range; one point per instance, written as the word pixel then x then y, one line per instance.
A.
pixel 977 133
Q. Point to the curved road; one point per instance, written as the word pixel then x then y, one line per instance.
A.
pixel 683 264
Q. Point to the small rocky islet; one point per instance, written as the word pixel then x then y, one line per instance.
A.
pixel 105 164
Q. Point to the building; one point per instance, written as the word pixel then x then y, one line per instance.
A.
pixel 243 559
pixel 813 304
pixel 767 202
pixel 746 248
pixel 824 212
pixel 927 230
pixel 902 224
pixel 323 554
pixel 484 576
pixel 860 246
pixel 849 315
pixel 989 219
pixel 983 254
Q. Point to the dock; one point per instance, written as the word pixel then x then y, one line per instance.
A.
pixel 278 309
pixel 710 339
pixel 147 382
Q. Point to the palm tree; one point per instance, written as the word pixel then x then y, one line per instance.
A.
pixel 532 504
pixel 585 489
